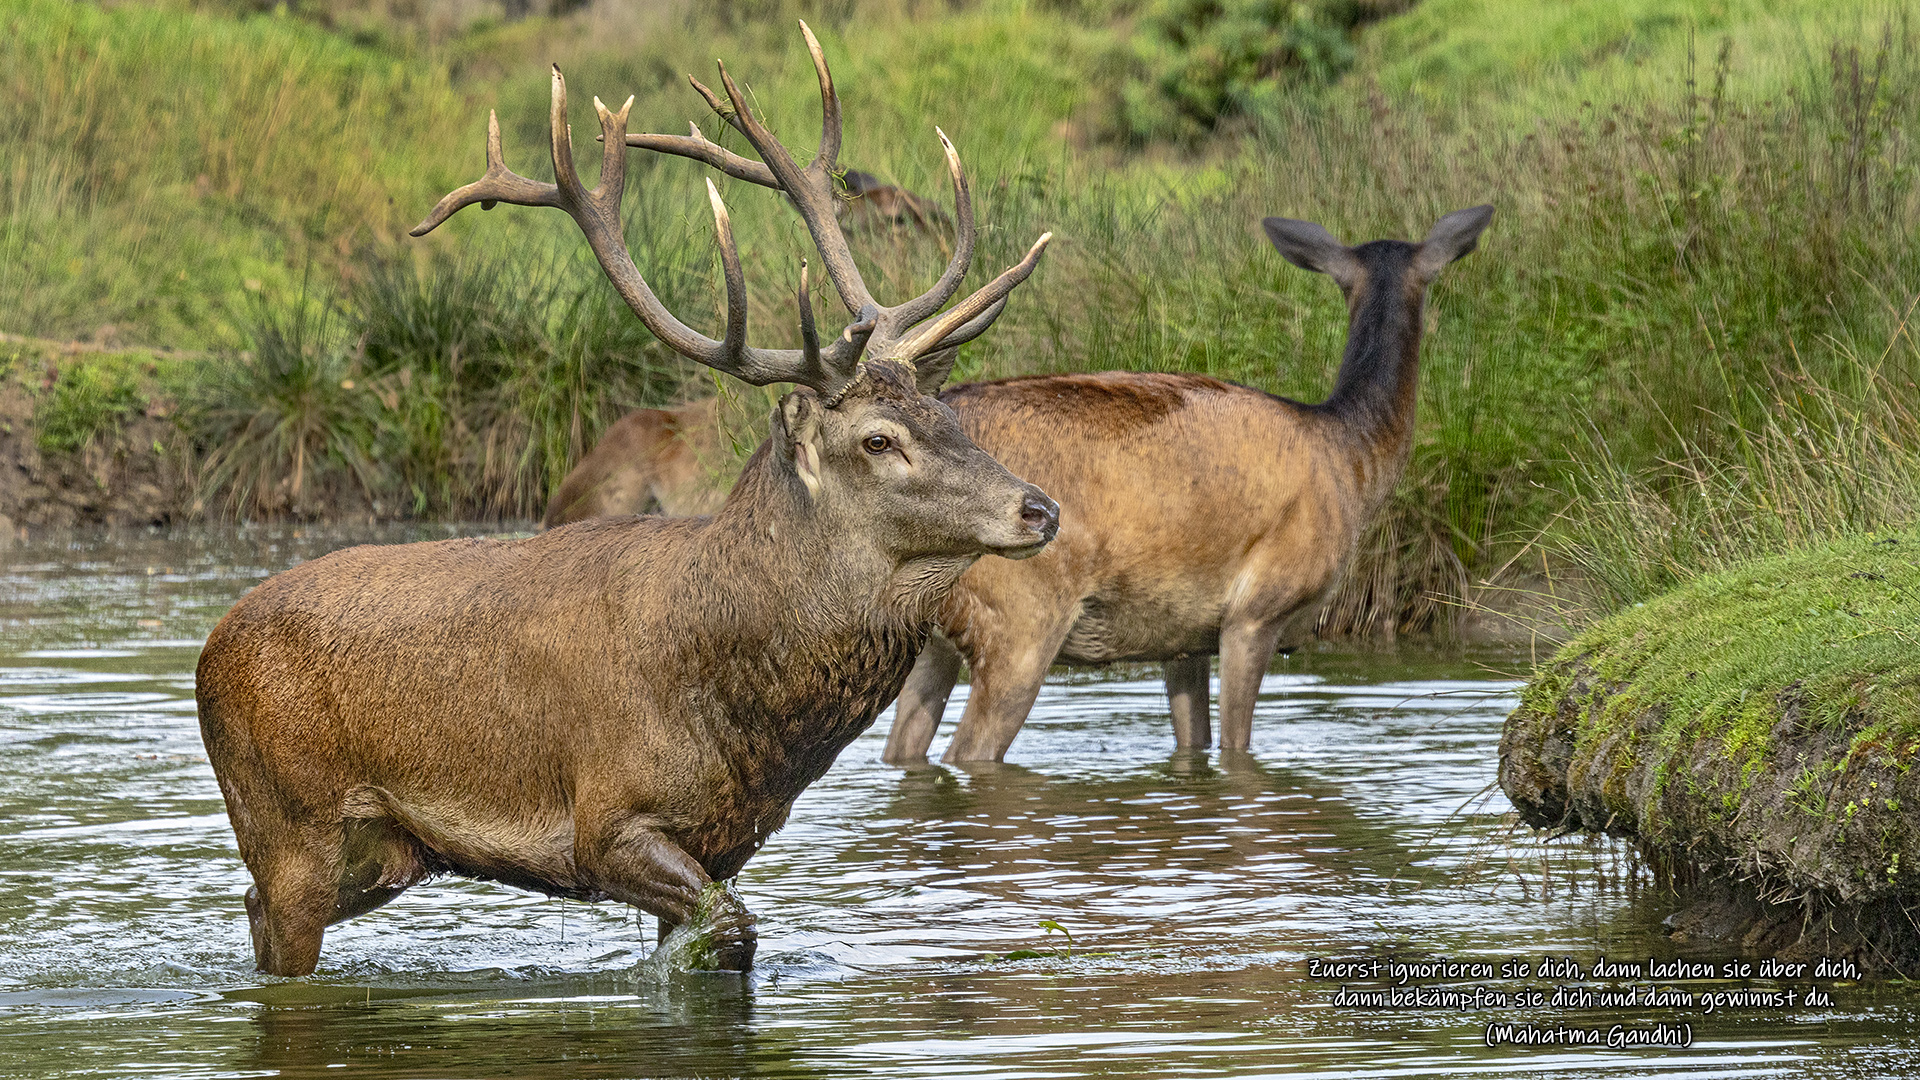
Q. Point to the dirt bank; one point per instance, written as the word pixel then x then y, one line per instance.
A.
pixel 87 437
pixel 1754 732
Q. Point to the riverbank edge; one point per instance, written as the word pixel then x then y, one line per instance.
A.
pixel 134 465
pixel 1783 811
pixel 125 462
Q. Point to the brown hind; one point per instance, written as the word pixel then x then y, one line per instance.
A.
pixel 650 460
pixel 1197 517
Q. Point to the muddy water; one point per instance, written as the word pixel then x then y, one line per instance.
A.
pixel 1195 889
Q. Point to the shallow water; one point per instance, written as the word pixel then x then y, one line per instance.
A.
pixel 1196 889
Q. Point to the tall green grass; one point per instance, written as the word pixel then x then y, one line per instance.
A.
pixel 1820 462
pixel 154 164
pixel 1651 274
pixel 1702 212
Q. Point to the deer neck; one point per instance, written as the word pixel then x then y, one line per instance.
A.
pixel 811 630
pixel 1373 397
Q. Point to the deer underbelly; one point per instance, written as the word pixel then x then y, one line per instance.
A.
pixel 531 851
pixel 1113 629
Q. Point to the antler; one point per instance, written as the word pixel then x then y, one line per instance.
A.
pixel 905 331
pixel 597 212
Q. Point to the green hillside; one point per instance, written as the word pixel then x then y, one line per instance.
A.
pixel 1705 230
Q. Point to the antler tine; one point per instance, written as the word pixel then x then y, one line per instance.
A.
pixel 814 200
pixel 929 302
pixel 828 156
pixel 735 343
pixel 771 150
pixel 720 108
pixel 972 329
pixel 973 306
pixel 497 185
pixel 809 338
pixel 561 136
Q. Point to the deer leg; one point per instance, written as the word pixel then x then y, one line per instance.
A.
pixel 1245 651
pixel 640 866
pixel 1187 697
pixel 1004 687
pixel 923 701
pixel 295 891
pixel 378 862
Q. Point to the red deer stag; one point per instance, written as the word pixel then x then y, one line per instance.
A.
pixel 1200 517
pixel 621 710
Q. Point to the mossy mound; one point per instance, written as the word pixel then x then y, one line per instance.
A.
pixel 1757 727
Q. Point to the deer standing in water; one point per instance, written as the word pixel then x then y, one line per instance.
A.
pixel 1202 517
pixel 1197 516
pixel 624 709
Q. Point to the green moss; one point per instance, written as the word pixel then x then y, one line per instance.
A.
pixel 83 398
pixel 86 401
pixel 1833 633
pixel 709 939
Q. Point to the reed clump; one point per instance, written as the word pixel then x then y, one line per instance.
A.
pixel 461 391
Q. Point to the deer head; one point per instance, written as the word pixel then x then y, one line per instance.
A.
pixel 860 436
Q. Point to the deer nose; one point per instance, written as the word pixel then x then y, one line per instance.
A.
pixel 1041 514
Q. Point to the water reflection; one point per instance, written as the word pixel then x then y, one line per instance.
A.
pixel 1194 886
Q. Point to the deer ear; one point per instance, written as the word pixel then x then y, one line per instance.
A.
pixel 799 421
pixel 1310 247
pixel 930 371
pixel 1450 238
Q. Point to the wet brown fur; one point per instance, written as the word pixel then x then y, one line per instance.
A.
pixel 620 709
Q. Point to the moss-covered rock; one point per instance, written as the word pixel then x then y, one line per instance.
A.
pixel 1757 726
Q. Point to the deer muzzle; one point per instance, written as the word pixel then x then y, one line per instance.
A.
pixel 1039 520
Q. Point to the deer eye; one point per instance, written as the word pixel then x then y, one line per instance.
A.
pixel 877 444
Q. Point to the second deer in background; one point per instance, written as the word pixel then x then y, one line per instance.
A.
pixel 1196 516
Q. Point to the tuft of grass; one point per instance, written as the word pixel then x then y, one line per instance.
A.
pixel 89 400
pixel 287 430
pixel 457 388
pixel 1820 463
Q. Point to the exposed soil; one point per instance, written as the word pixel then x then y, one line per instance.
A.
pixel 128 474
pixel 1798 857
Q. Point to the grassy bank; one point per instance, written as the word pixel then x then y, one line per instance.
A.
pixel 92 435
pixel 1700 267
pixel 1758 724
